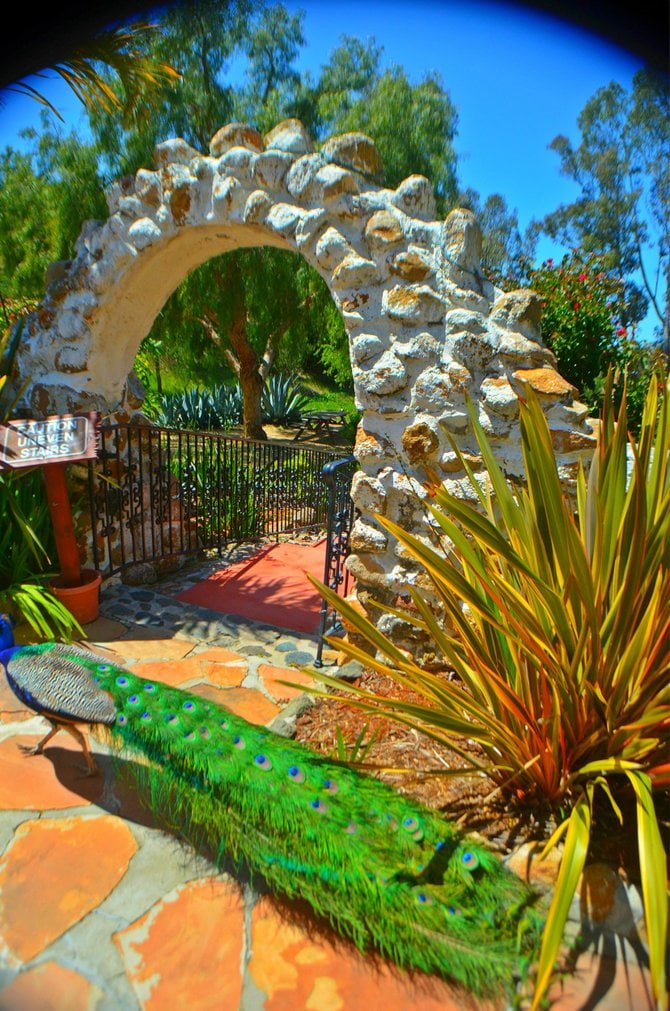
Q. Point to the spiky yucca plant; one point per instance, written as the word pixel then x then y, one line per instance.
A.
pixel 562 649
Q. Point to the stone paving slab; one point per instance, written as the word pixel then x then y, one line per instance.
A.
pixel 103 909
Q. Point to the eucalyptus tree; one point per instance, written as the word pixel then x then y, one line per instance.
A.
pixel 622 168
pixel 198 38
pixel 506 250
pixel 271 48
pixel 46 191
pixel 412 125
pixel 26 226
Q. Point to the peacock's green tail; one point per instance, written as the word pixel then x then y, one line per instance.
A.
pixel 386 872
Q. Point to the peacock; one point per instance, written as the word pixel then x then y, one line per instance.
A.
pixel 390 875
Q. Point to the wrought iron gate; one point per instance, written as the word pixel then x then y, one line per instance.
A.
pixel 156 492
pixel 341 514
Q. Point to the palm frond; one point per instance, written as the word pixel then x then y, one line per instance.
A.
pixel 141 75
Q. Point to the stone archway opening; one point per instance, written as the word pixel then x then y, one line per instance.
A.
pixel 258 319
pixel 426 329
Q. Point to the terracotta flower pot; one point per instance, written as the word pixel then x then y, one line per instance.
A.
pixel 82 601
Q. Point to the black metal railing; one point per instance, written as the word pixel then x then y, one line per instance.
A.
pixel 337 476
pixel 157 492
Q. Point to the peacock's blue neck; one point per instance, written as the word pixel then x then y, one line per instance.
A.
pixel 7 654
pixel 7 646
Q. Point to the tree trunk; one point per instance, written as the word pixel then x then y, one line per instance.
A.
pixel 248 368
pixel 251 385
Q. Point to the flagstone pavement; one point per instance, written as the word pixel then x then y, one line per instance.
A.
pixel 103 909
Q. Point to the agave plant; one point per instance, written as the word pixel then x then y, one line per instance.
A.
pixel 189 408
pixel 562 648
pixel 201 410
pixel 283 400
pixel 228 399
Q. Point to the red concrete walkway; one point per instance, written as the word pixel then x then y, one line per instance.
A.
pixel 270 587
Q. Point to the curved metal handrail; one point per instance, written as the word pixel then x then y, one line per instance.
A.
pixel 337 475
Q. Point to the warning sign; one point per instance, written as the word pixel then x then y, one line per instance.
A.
pixel 61 438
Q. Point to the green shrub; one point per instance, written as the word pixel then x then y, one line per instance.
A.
pixel 218 492
pixel 584 322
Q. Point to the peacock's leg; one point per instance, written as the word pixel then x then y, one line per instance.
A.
pixel 91 768
pixel 38 748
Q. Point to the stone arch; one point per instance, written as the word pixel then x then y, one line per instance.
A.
pixel 425 327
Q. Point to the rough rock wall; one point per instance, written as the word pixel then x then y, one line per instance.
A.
pixel 426 329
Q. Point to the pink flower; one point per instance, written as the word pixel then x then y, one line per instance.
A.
pixel 621 331
pixel 582 277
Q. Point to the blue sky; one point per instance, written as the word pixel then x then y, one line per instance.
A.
pixel 518 77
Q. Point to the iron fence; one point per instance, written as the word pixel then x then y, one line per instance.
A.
pixel 157 492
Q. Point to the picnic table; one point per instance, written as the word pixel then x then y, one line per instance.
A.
pixel 317 422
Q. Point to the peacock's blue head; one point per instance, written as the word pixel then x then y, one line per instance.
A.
pixel 6 632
